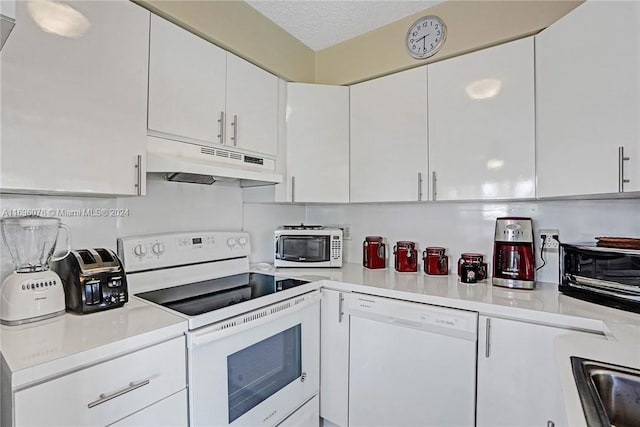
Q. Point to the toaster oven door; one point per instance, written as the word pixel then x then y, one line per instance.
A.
pixel 303 248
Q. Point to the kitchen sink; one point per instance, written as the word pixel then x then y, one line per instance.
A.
pixel 609 394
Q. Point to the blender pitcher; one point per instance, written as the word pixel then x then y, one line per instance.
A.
pixel 31 241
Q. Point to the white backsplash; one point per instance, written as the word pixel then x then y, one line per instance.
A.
pixel 469 227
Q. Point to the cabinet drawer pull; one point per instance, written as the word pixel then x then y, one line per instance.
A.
pixel 106 397
pixel 621 160
pixel 487 339
pixel 221 127
pixel 234 123
pixel 340 307
pixel 293 189
pixel 419 186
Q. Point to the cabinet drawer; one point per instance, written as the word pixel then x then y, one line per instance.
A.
pixel 104 393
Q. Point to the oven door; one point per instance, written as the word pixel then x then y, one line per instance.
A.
pixel 257 369
pixel 303 248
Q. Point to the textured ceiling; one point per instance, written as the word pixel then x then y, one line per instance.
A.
pixel 323 23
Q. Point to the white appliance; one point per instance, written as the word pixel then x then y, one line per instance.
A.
pixel 307 246
pixel 253 339
pixel 410 364
pixel 32 292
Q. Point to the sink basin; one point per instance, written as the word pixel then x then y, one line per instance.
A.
pixel 609 394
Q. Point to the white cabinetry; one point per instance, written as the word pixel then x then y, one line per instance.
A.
pixel 317 125
pixel 389 138
pixel 74 99
pixel 201 93
pixel 334 359
pixel 481 124
pixel 518 376
pixel 588 101
pixel 109 391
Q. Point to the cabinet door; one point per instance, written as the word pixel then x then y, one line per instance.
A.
pixel 518 378
pixel 74 99
pixel 186 84
pixel 318 142
pixel 481 124
pixel 334 359
pixel 252 107
pixel 389 138
pixel 588 101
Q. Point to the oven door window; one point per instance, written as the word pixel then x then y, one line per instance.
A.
pixel 261 370
pixel 304 248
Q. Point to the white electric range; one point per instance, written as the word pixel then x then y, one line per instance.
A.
pixel 253 339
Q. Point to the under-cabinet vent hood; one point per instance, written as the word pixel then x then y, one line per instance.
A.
pixel 203 164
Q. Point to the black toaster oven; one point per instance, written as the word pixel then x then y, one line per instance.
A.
pixel 93 280
pixel 602 275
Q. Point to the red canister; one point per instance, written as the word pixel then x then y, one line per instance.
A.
pixel 476 259
pixel 374 252
pixel 435 261
pixel 406 257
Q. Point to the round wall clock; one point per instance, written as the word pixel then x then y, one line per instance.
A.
pixel 426 36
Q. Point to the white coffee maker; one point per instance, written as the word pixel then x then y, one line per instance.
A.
pixel 32 292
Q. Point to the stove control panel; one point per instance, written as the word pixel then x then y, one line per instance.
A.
pixel 154 251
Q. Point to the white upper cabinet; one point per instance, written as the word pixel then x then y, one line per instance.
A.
pixel 74 95
pixel 252 107
pixel 187 78
pixel 201 93
pixel 481 124
pixel 389 138
pixel 317 123
pixel 588 101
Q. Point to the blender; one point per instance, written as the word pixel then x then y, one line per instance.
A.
pixel 32 292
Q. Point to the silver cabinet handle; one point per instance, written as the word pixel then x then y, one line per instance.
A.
pixel 621 160
pixel 234 123
pixel 340 307
pixel 221 127
pixel 487 344
pixel 106 397
pixel 433 186
pixel 419 186
pixel 293 189
pixel 139 175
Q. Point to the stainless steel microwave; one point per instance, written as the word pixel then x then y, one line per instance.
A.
pixel 602 275
pixel 307 246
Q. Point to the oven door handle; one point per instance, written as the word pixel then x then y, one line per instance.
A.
pixel 251 320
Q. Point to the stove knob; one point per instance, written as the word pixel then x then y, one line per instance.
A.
pixel 242 241
pixel 231 242
pixel 157 248
pixel 140 250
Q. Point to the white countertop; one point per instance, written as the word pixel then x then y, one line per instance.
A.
pixel 619 345
pixel 52 347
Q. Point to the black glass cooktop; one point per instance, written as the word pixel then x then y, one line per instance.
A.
pixel 202 297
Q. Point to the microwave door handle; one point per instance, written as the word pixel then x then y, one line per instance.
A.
pixel 278 256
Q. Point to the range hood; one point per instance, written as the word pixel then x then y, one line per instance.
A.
pixel 204 164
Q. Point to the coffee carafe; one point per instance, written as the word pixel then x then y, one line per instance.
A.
pixel 406 257
pixel 513 253
pixel 32 292
pixel 373 252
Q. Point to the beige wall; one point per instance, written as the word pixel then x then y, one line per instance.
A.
pixel 239 28
pixel 471 25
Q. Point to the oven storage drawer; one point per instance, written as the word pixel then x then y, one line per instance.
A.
pixel 104 393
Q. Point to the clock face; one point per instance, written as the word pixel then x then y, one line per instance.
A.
pixel 425 37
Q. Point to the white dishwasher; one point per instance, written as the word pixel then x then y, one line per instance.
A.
pixel 411 364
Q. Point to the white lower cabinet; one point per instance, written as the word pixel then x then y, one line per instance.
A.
pixel 518 377
pixel 334 359
pixel 110 391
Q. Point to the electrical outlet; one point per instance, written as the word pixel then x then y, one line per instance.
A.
pixel 346 232
pixel 549 243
